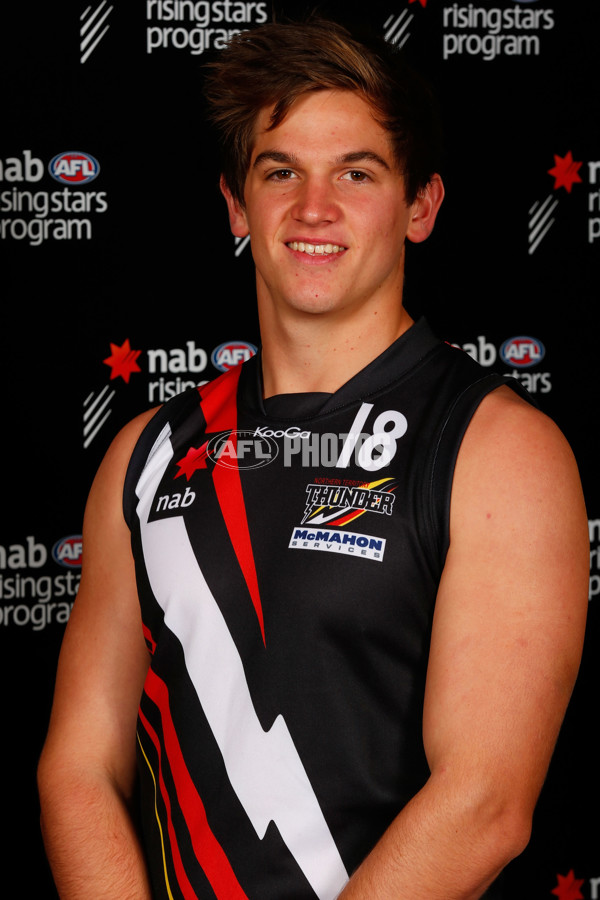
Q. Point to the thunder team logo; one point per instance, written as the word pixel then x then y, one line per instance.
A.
pixel 336 505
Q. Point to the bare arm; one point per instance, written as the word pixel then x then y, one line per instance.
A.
pixel 506 645
pixel 87 768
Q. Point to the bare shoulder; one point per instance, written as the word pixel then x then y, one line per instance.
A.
pixel 517 499
pixel 105 495
pixel 505 415
pixel 107 589
pixel 518 523
pixel 106 539
pixel 510 443
pixel 120 450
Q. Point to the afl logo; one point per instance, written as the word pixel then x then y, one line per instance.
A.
pixel 241 450
pixel 230 354
pixel 67 551
pixel 74 168
pixel 522 352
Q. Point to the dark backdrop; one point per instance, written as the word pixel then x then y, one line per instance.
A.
pixel 121 283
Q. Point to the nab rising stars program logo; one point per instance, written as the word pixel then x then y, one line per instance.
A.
pixel 93 27
pixel 541 215
pixel 178 369
pixel 396 27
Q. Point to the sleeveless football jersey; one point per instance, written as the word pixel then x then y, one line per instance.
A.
pixel 288 554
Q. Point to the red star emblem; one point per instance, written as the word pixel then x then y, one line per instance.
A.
pixel 122 361
pixel 568 887
pixel 194 459
pixel 565 171
pixel 422 2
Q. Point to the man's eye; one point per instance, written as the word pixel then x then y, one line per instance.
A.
pixel 282 175
pixel 355 176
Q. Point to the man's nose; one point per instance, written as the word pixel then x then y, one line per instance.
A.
pixel 316 202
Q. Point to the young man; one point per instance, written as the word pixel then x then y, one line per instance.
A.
pixel 361 562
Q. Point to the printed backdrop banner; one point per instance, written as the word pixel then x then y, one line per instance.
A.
pixel 122 286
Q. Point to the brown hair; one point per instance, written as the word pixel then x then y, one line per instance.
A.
pixel 273 64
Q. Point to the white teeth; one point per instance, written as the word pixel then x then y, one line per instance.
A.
pixel 315 249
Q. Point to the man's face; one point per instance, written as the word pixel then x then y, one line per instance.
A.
pixel 325 208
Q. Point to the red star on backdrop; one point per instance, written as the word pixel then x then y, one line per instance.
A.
pixel 568 887
pixel 422 2
pixel 122 361
pixel 565 171
pixel 194 459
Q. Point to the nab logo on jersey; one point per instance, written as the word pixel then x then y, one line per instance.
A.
pixel 230 354
pixel 74 168
pixel 522 352
pixel 67 551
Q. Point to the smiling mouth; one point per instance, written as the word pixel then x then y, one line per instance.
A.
pixel 316 249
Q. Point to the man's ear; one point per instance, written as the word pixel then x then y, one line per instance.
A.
pixel 424 210
pixel 237 215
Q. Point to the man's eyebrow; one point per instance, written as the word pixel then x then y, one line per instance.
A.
pixel 358 156
pixel 352 158
pixel 276 156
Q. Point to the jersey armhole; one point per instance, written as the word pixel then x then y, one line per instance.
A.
pixel 167 413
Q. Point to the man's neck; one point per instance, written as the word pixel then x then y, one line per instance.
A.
pixel 316 353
